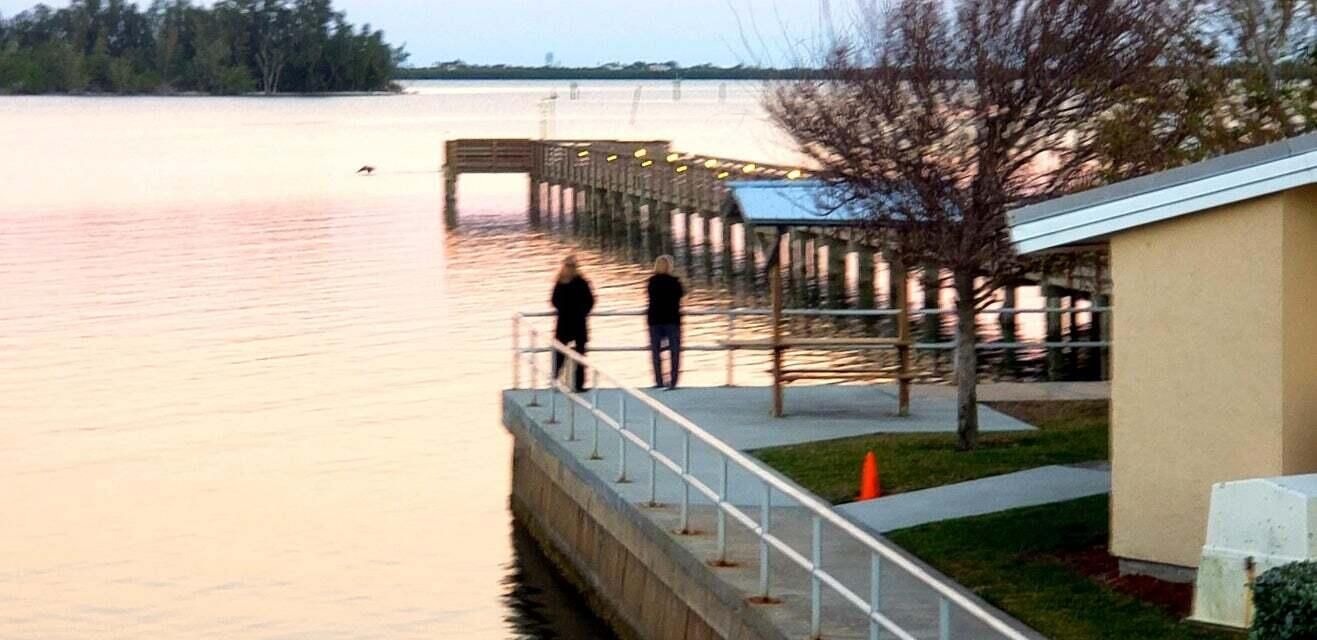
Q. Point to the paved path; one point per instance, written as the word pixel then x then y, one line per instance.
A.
pixel 1021 391
pixel 1033 487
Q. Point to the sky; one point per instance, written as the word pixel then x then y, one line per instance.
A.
pixel 585 32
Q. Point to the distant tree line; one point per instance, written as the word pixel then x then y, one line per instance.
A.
pixel 636 71
pixel 231 47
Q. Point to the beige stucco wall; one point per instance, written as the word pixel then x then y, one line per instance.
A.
pixel 1300 357
pixel 1197 371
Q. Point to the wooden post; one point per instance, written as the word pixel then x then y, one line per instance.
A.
pixel 548 205
pixel 534 211
pixel 562 207
pixel 706 247
pixel 932 284
pixel 725 257
pixel 649 240
pixel 905 347
pixel 1055 356
pixel 865 298
pixel 633 240
pixel 836 274
pixel 749 265
pixel 1009 327
pixel 775 286
pixel 576 210
pixel 688 248
pixel 450 197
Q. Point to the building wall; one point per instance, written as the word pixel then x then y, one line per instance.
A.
pixel 1300 355
pixel 1198 376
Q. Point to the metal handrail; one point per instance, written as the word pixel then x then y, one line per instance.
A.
pixel 733 314
pixel 820 511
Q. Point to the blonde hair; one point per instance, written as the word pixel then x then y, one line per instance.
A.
pixel 568 270
pixel 663 264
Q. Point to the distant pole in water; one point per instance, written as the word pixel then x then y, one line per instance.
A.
pixel 676 89
pixel 575 91
pixel 366 169
pixel 635 103
pixel 722 92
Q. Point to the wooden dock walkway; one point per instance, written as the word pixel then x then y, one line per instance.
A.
pixel 641 199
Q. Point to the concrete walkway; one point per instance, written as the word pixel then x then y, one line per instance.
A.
pixel 1020 391
pixel 1029 488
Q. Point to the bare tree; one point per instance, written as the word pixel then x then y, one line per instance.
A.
pixel 272 23
pixel 937 117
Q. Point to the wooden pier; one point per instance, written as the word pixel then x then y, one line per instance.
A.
pixel 641 199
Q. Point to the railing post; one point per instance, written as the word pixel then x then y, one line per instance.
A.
pixel 685 484
pixel 621 439
pixel 722 513
pixel 594 410
pixel 815 597
pixel 875 591
pixel 571 402
pixel 653 462
pixel 516 351
pixel 553 388
pixel 534 370
pixel 943 619
pixel 731 352
pixel 763 540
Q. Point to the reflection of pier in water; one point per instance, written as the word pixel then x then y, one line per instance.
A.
pixel 642 199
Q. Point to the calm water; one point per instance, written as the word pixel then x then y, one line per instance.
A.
pixel 245 393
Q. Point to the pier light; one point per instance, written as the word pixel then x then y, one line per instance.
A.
pixel 723 175
pixel 749 168
pixel 583 153
pixel 794 174
pixel 647 163
pixel 672 157
pixel 611 157
pixel 710 164
pixel 682 169
pixel 640 153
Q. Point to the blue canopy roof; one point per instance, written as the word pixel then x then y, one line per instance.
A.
pixel 796 203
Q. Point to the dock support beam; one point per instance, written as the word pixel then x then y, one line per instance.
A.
pixel 706 247
pixel 534 210
pixel 836 274
pixel 1055 356
pixel 450 197
pixel 864 293
pixel 1009 327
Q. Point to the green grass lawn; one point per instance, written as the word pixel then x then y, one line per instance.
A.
pixel 1069 432
pixel 1010 559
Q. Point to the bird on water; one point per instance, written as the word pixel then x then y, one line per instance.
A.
pixel 367 169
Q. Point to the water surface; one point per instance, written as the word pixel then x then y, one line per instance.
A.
pixel 245 393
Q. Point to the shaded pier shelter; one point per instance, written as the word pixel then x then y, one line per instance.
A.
pixel 1215 269
pixel 769 209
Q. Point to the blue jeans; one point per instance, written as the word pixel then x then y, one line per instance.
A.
pixel 669 335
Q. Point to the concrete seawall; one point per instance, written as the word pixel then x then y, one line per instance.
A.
pixel 653 581
pixel 636 577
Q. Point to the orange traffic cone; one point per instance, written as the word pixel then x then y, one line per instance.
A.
pixel 870 487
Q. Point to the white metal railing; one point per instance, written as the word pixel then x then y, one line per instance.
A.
pixel 733 314
pixel 761 527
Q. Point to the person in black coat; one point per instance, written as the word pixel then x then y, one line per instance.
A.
pixel 664 318
pixel 573 300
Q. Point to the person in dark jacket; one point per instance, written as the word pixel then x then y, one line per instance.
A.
pixel 664 318
pixel 573 300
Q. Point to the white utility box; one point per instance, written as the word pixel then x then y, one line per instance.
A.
pixel 1254 525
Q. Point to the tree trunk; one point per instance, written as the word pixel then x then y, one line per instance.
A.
pixel 967 416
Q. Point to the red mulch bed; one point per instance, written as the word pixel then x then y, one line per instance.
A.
pixel 1098 564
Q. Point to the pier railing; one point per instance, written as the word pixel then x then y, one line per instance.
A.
pixel 563 397
pixel 732 317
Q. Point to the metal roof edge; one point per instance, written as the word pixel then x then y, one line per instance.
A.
pixel 1206 169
